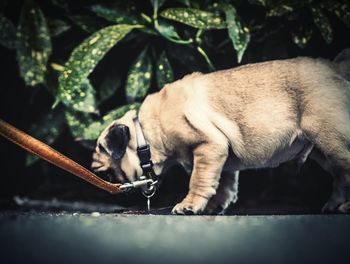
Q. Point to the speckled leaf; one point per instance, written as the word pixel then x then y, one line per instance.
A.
pixel 94 129
pixel 139 78
pixel 108 87
pixel 86 23
pixel 83 60
pixel 341 9
pixel 279 10
pixel 257 2
pixel 48 128
pixel 322 22
pixel 119 112
pixel 344 15
pixel 122 12
pixel 78 122
pixel 164 71
pixel 57 27
pixel 238 34
pixel 195 18
pixel 169 32
pixel 7 33
pixel 302 38
pixel 82 125
pixel 84 99
pixel 33 44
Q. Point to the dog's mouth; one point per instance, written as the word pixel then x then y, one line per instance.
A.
pixel 107 175
pixel 111 175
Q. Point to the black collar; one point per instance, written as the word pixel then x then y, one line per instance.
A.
pixel 144 152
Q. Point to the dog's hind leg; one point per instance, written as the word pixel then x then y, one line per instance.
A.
pixel 226 194
pixel 331 137
pixel 338 195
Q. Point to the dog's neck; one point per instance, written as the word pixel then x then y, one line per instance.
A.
pixel 143 150
pixel 152 132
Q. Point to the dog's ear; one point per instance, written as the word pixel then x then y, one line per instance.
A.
pixel 117 140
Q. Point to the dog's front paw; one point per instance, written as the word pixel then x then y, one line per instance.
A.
pixel 191 205
pixel 344 208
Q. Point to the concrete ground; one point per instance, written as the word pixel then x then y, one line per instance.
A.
pixel 122 238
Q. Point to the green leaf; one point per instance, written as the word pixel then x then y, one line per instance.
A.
pixel 48 128
pixel 94 129
pixel 82 125
pixel 149 31
pixel 119 112
pixel 257 2
pixel 139 78
pixel 195 18
pixel 123 12
pixel 57 27
pixel 61 4
pixel 83 60
pixel 205 56
pixel 33 44
pixel 238 34
pixel 279 10
pixel 157 3
pixel 86 23
pixel 84 99
pixel 78 122
pixel 164 71
pixel 7 33
pixel 323 24
pixel 342 10
pixel 169 32
pixel 108 87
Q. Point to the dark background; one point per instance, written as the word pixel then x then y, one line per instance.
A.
pixel 267 191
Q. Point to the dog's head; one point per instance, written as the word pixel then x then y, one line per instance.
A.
pixel 115 157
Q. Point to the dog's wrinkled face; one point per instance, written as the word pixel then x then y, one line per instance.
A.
pixel 115 157
pixel 110 149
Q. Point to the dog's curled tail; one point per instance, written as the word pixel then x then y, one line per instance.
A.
pixel 343 63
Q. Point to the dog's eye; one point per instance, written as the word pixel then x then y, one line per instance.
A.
pixel 102 149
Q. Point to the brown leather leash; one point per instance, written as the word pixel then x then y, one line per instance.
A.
pixel 47 153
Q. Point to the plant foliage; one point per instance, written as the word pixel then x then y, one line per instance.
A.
pixel 166 39
pixel 33 44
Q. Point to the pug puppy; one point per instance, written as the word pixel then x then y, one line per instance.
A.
pixel 254 116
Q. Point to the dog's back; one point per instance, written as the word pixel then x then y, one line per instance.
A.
pixel 263 107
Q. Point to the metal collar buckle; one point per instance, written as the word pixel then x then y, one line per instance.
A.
pixel 147 185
